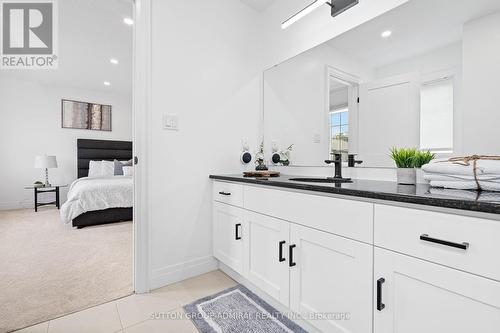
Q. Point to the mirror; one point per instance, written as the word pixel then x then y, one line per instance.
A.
pixel 396 81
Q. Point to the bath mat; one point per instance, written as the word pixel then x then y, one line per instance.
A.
pixel 238 310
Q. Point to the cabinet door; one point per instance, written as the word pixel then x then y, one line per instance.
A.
pixel 417 296
pixel 266 252
pixel 331 276
pixel 228 235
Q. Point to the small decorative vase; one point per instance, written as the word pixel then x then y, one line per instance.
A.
pixel 407 176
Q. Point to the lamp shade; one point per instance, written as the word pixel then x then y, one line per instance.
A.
pixel 45 162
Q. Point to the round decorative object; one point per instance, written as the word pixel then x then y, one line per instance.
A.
pixel 246 157
pixel 276 158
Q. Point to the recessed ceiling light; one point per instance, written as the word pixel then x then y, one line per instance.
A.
pixel 107 83
pixel 128 21
pixel 386 34
pixel 113 61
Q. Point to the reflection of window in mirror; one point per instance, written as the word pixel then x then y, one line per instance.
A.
pixel 339 117
pixel 436 115
pixel 339 131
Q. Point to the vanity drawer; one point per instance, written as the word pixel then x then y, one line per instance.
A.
pixel 228 193
pixel 467 243
pixel 348 218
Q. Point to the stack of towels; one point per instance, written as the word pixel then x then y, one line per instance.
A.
pixel 457 175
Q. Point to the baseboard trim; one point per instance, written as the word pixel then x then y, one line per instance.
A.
pixel 12 205
pixel 182 271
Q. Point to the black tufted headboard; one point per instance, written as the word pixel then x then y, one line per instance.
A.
pixel 98 150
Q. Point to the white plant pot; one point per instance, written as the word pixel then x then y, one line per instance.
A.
pixel 407 176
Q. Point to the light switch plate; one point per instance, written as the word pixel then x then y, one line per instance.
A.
pixel 170 122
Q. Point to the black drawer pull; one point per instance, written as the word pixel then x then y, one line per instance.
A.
pixel 237 231
pixel 224 193
pixel 281 259
pixel 380 305
pixel 291 263
pixel 462 246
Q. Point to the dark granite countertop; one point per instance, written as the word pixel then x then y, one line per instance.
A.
pixel 421 194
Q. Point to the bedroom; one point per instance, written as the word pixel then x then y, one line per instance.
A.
pixel 56 122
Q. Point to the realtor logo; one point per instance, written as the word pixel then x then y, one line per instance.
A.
pixel 28 34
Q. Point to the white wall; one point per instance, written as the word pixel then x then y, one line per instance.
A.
pixel 207 70
pixel 30 125
pixel 481 71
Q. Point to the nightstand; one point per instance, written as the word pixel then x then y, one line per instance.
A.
pixel 46 189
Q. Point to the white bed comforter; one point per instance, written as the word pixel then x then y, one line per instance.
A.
pixel 90 194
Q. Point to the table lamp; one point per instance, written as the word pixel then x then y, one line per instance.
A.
pixel 46 162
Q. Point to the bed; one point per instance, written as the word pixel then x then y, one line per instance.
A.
pixel 97 150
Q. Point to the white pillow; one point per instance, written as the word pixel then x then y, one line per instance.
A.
pixel 95 169
pixel 108 168
pixel 128 171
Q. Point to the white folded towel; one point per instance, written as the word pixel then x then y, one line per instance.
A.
pixel 443 166
pixel 443 177
pixel 467 185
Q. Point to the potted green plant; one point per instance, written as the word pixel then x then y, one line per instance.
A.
pixel 422 158
pixel 407 161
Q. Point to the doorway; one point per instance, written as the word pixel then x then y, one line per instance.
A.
pixel 50 268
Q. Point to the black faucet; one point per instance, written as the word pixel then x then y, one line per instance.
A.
pixel 351 161
pixel 338 166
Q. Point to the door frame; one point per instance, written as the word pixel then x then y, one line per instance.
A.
pixel 141 115
pixel 351 81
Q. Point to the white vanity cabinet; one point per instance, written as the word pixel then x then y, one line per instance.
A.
pixel 266 255
pixel 331 276
pixel 359 267
pixel 435 272
pixel 415 296
pixel 297 251
pixel 227 229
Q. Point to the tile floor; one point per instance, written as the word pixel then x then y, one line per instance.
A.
pixel 133 314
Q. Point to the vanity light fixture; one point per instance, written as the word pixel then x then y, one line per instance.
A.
pixel 338 7
pixel 113 61
pixel 128 21
pixel 304 12
pixel 386 34
pixel 107 83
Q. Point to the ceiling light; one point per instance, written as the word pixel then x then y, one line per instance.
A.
pixel 107 83
pixel 337 8
pixel 113 61
pixel 128 21
pixel 304 12
pixel 386 34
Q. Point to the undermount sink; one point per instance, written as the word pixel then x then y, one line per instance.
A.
pixel 322 180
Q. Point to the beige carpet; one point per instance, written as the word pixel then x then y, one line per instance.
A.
pixel 48 269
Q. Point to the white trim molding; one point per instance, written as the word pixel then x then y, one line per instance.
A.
pixel 142 145
pixel 182 271
pixel 11 205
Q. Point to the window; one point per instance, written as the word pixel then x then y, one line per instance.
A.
pixel 436 115
pixel 339 131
